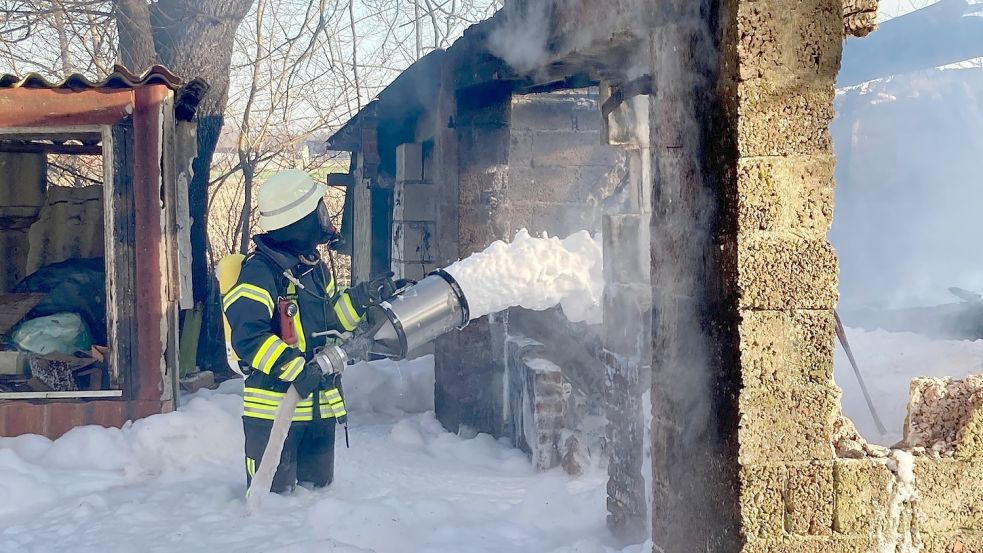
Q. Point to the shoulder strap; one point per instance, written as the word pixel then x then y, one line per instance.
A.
pixel 278 278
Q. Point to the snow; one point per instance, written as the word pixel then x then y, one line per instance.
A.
pixel 896 537
pixel 888 362
pixel 174 482
pixel 535 273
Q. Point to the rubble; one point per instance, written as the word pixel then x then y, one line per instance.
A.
pixel 944 413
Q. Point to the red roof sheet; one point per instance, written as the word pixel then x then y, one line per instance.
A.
pixel 121 77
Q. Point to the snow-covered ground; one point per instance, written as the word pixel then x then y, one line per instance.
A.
pixel 174 482
pixel 888 362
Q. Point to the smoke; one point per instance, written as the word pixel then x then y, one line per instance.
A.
pixel 907 224
pixel 521 38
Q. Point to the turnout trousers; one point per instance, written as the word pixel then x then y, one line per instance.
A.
pixel 308 453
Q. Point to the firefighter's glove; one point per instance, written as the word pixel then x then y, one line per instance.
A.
pixel 308 380
pixel 330 381
pixel 402 283
pixel 372 292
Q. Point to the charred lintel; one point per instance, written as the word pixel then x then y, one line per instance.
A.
pixel 341 179
pixel 188 98
pixel 44 148
pixel 619 94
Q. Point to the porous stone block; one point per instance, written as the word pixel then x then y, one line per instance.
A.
pixel 859 17
pixel 543 112
pixel 809 499
pixel 950 495
pixel 969 440
pixel 943 412
pixel 787 424
pixel 953 542
pixel 775 120
pixel 796 544
pixel 786 273
pixel 786 194
pixel 784 42
pixel 520 150
pixel 762 503
pixel 863 493
pixel 786 348
pixel 485 186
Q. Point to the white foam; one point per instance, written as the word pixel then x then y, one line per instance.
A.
pixel 535 273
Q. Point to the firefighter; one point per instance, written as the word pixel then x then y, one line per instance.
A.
pixel 283 296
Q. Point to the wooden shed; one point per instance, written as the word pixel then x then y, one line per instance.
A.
pixel 94 221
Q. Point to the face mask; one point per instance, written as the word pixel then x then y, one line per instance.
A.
pixel 328 233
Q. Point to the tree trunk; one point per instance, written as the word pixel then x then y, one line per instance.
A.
pixel 193 38
pixel 136 39
pixel 66 53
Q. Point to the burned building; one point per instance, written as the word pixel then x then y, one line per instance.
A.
pixel 713 188
pixel 94 228
pixel 454 155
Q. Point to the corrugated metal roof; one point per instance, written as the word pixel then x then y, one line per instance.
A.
pixel 121 77
pixel 187 94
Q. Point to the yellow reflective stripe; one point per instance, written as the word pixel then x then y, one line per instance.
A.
pixel 291 371
pixel 301 338
pixel 249 291
pixel 262 404
pixel 271 395
pixel 260 392
pixel 250 467
pixel 248 412
pixel 271 409
pixel 346 312
pixel 331 287
pixel 261 401
pixel 268 353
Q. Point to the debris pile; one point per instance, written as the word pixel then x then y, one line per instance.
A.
pixel 51 326
pixel 943 413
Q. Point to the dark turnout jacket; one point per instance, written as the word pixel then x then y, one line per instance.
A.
pixel 252 308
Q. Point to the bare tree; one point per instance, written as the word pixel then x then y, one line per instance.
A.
pixel 280 83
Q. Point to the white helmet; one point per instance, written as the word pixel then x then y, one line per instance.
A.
pixel 286 198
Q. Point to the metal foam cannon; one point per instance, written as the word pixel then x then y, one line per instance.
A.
pixel 414 317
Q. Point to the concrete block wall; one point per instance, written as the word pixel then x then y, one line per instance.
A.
pixel 560 170
pixel 536 402
pixel 23 186
pixel 470 171
pixel 778 64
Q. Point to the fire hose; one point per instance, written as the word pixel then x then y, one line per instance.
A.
pixel 413 317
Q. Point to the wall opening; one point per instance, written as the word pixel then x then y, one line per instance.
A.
pixel 53 308
pixel 908 134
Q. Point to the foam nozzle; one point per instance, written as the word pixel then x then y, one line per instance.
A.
pixel 431 308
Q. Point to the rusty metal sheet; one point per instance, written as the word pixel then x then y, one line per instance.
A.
pixel 147 183
pixel 53 418
pixel 27 107
pixel 121 77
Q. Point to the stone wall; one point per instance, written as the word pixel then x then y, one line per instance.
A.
pixel 22 194
pixel 534 162
pixel 773 408
pixel 471 165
